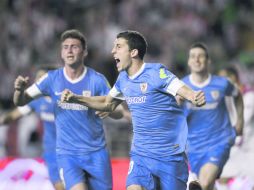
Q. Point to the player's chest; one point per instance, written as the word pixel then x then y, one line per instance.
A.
pixel 81 88
pixel 138 88
pixel 213 94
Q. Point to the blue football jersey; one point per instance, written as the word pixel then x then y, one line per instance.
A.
pixel 45 109
pixel 210 125
pixel 159 124
pixel 79 129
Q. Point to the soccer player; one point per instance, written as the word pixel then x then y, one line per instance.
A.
pixel 81 148
pixel 159 124
pixel 44 108
pixel 211 134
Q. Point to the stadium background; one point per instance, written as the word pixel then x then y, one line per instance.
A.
pixel 30 33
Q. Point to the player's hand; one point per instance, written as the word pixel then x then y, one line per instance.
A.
pixel 101 114
pixel 199 99
pixel 67 96
pixel 179 100
pixel 21 83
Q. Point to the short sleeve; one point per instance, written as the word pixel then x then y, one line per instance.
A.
pixel 167 82
pixel 231 89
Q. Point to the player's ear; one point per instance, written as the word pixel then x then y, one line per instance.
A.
pixel 85 52
pixel 134 53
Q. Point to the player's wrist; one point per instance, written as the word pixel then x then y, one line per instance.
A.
pixel 19 89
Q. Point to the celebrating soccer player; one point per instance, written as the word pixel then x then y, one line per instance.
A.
pixel 159 125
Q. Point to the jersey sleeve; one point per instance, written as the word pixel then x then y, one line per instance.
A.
pixel 44 84
pixel 231 89
pixel 115 92
pixel 24 110
pixel 102 86
pixel 167 82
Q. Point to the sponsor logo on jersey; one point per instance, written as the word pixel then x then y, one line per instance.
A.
pixel 47 116
pixel 215 94
pixel 136 100
pixel 86 93
pixel 143 87
pixel 71 106
pixel 207 106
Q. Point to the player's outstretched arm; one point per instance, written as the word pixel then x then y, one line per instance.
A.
pixel 10 116
pixel 195 97
pixel 118 113
pixel 20 97
pixel 100 103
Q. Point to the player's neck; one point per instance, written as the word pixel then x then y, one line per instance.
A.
pixel 199 77
pixel 74 73
pixel 135 67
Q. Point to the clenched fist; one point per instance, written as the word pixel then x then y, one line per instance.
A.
pixel 21 83
pixel 199 98
pixel 67 96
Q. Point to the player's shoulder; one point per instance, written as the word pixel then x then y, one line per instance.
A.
pixel 186 78
pixel 55 73
pixel 96 77
pixel 220 80
pixel 94 73
pixel 155 68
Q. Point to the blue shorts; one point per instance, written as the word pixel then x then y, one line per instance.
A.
pixel 93 169
pixel 155 174
pixel 217 155
pixel 50 160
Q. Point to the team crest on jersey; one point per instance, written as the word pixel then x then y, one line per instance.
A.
pixel 143 87
pixel 215 94
pixel 86 93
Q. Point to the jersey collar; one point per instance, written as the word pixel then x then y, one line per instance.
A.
pixel 77 79
pixel 203 84
pixel 138 73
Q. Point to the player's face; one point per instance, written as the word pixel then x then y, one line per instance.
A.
pixel 121 54
pixel 198 61
pixel 72 52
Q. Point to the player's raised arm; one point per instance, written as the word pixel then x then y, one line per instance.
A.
pixel 101 103
pixel 20 96
pixel 195 97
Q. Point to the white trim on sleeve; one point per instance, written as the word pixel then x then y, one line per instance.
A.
pixel 116 94
pixel 33 91
pixel 174 86
pixel 24 110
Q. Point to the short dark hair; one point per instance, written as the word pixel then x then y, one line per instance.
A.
pixel 76 34
pixel 135 41
pixel 231 70
pixel 202 46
